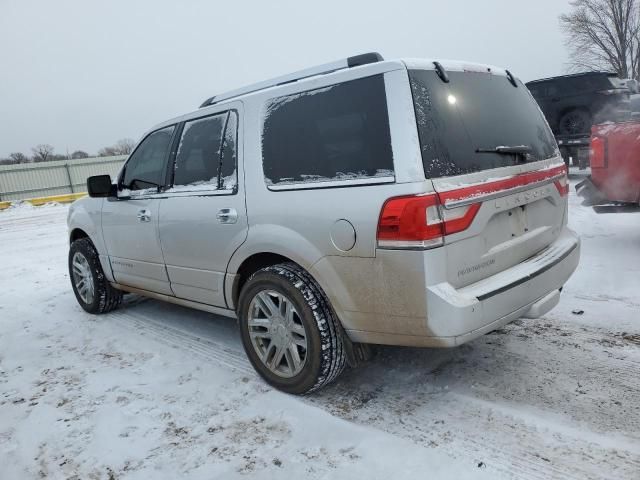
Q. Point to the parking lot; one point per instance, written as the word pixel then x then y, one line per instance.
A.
pixel 158 391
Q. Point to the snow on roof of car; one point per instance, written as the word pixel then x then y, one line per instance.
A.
pixel 452 65
pixel 335 67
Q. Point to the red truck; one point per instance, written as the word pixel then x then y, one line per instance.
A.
pixel 615 168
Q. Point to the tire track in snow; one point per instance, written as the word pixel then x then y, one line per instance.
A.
pixel 608 355
pixel 504 443
pixel 484 416
pixel 183 339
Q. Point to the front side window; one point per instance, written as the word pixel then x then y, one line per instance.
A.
pixel 146 167
pixel 335 133
pixel 206 157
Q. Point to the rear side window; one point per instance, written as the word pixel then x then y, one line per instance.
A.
pixel 476 111
pixel 146 165
pixel 543 89
pixel 206 157
pixel 536 90
pixel 337 133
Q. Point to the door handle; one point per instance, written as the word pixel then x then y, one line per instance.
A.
pixel 144 215
pixel 227 215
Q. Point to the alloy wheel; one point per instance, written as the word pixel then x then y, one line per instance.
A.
pixel 83 278
pixel 277 333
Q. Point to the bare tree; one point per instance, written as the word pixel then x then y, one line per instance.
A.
pixel 42 152
pixel 604 35
pixel 18 157
pixel 79 154
pixel 125 146
pixel 107 152
pixel 122 147
pixel 8 161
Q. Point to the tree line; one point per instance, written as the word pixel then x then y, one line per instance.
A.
pixel 604 35
pixel 46 153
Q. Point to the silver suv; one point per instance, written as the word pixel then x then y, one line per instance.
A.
pixel 405 202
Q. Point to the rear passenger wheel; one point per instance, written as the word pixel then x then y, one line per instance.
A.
pixel 92 289
pixel 289 331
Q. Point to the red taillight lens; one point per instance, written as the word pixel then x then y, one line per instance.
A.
pixel 417 222
pixel 459 219
pixel 562 184
pixel 410 222
pixel 598 152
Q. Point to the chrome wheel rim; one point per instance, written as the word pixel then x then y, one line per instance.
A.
pixel 277 333
pixel 82 277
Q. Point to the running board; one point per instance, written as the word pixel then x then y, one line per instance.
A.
pixel 177 301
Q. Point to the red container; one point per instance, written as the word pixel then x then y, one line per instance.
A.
pixel 615 164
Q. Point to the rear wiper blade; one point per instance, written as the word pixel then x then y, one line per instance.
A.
pixel 523 150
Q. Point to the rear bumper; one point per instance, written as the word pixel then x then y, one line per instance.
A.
pixel 456 316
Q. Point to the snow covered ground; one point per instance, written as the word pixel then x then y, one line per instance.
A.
pixel 158 391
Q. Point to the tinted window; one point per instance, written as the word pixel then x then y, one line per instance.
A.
pixel 584 84
pixel 146 166
pixel 475 111
pixel 206 157
pixel 334 133
pixel 536 90
pixel 552 90
pixel 543 89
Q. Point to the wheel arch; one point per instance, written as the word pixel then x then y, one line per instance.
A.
pixel 78 233
pixel 267 244
pixel 84 222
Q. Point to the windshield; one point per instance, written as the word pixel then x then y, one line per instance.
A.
pixel 476 111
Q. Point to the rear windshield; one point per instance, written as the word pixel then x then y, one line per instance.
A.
pixel 476 111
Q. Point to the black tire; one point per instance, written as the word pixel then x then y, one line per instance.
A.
pixel 105 297
pixel 325 354
pixel 575 122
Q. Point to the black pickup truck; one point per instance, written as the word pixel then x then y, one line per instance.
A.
pixel 573 103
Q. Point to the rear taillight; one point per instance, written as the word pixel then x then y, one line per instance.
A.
pixel 418 221
pixel 411 222
pixel 422 221
pixel 598 152
pixel 458 219
pixel 562 182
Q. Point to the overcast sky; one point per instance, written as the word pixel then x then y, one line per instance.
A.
pixel 81 74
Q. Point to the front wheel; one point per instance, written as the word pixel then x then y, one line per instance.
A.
pixel 289 330
pixel 92 289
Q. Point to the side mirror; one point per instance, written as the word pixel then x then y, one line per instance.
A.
pixel 100 186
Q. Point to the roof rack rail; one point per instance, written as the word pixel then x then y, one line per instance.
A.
pixel 355 61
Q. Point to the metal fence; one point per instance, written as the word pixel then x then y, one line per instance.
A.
pixel 29 180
